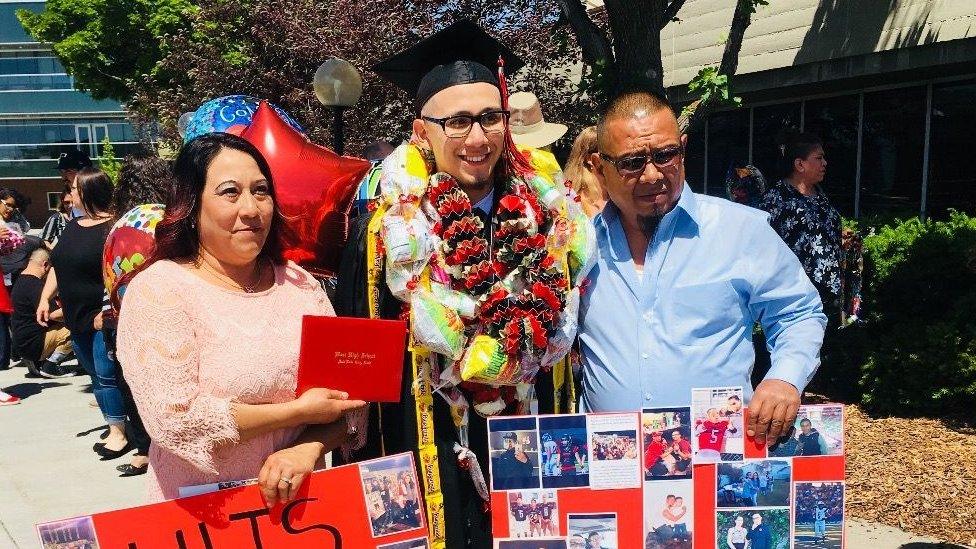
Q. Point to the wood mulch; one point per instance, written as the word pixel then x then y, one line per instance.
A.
pixel 915 474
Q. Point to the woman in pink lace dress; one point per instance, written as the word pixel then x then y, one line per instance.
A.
pixel 209 334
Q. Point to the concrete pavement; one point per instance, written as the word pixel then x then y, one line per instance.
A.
pixel 49 473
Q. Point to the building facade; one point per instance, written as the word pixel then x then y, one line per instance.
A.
pixel 889 85
pixel 42 115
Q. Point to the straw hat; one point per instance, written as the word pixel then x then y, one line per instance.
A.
pixel 528 127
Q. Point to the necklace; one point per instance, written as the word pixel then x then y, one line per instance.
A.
pixel 248 288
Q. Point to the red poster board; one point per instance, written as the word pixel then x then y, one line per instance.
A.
pixel 329 512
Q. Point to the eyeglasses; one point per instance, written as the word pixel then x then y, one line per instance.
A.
pixel 631 165
pixel 460 125
pixel 12 205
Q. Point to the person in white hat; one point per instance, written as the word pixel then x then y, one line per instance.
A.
pixel 529 128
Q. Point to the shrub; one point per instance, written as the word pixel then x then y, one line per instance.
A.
pixel 920 336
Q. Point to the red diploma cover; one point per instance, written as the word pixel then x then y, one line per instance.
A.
pixel 363 357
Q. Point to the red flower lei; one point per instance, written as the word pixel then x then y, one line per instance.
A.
pixel 514 276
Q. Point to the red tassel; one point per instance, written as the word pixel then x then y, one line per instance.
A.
pixel 518 162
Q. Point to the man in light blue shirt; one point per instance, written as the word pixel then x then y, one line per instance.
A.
pixel 681 279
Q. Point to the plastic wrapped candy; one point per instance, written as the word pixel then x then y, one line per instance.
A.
pixel 464 304
pixel 582 250
pixel 407 235
pixel 401 277
pixel 561 342
pixel 551 196
pixel 486 362
pixel 404 174
pixel 435 326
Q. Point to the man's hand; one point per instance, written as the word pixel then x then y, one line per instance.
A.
pixel 772 410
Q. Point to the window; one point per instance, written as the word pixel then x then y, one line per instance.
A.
pixel 952 174
pixel 53 201
pixel 891 160
pixel 834 121
pixel 770 126
pixel 728 142
pixel 695 159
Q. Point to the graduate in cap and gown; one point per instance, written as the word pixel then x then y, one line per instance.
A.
pixel 482 248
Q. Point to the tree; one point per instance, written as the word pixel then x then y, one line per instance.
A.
pixel 107 162
pixel 270 49
pixel 106 45
pixel 632 58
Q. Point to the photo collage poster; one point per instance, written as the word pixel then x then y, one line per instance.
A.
pixel 678 477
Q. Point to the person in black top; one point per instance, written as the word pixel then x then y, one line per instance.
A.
pixel 42 348
pixel 77 278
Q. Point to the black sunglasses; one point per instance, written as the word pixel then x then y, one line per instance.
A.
pixel 630 165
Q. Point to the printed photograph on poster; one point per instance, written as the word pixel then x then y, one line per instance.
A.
pixel 594 529
pixel 669 514
pixel 73 533
pixel 717 424
pixel 542 543
pixel 819 515
pixel 533 514
pixel 666 434
pixel 817 431
pixel 614 451
pixel 391 493
pixel 752 529
pixel 418 543
pixel 514 452
pixel 565 456
pixel 754 483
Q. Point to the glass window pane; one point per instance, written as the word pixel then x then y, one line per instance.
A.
pixel 728 143
pixel 834 121
pixel 695 159
pixel 952 175
pixel 770 126
pixel 894 136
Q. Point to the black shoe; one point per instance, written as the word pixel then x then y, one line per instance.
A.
pixel 130 470
pixel 51 370
pixel 107 454
pixel 32 370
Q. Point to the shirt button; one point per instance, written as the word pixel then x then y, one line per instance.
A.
pixel 644 355
pixel 647 396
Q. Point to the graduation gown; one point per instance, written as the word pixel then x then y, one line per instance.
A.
pixel 392 427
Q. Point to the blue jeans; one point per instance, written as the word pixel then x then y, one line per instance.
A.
pixel 93 357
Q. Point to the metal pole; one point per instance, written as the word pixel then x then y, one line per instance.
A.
pixel 925 153
pixel 337 139
pixel 860 142
pixel 705 175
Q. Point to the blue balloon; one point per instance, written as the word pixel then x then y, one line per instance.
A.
pixel 219 114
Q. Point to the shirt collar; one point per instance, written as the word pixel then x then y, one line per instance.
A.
pixel 609 218
pixel 485 203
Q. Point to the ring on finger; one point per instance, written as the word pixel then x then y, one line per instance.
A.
pixel 285 480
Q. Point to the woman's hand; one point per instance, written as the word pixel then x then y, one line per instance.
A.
pixel 43 312
pixel 319 406
pixel 285 470
pixel 97 322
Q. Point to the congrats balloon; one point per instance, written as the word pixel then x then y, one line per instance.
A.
pixel 231 114
pixel 129 244
pixel 314 188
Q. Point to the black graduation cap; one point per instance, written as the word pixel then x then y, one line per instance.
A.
pixel 462 53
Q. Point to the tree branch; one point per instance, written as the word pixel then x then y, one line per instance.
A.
pixel 593 41
pixel 671 12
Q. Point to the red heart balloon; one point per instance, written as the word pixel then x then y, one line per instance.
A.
pixel 314 187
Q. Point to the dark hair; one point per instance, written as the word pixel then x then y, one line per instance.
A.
pixel 95 190
pixel 61 202
pixel 21 200
pixel 143 179
pixel 176 233
pixel 797 145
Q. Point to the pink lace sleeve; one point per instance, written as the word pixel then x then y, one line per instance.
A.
pixel 158 353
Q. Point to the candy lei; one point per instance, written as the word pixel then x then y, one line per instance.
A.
pixel 494 308
pixel 513 276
